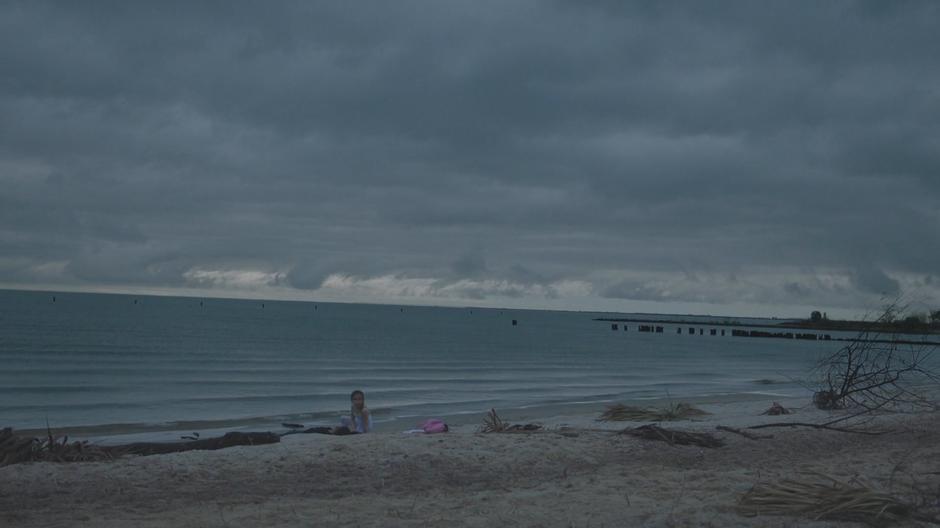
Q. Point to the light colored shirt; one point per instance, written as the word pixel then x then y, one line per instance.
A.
pixel 360 426
pixel 356 423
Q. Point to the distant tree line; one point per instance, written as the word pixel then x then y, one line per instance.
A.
pixel 892 320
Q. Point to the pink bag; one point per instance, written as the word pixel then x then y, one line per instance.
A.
pixel 434 426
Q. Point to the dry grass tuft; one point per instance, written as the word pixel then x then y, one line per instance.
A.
pixel 825 498
pixel 16 449
pixel 619 412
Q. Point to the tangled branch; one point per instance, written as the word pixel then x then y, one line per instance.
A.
pixel 872 372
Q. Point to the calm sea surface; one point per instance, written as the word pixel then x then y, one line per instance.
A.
pixel 111 364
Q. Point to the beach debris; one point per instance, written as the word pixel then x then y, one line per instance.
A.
pixel 777 409
pixel 745 434
pixel 827 400
pixel 828 426
pixel 235 438
pixel 655 432
pixel 318 430
pixel 619 412
pixel 194 436
pixel 878 374
pixel 15 449
pixel 821 497
pixel 492 423
pixel 296 428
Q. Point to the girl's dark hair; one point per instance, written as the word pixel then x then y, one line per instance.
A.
pixel 355 392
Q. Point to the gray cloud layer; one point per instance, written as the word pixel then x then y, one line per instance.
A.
pixel 777 154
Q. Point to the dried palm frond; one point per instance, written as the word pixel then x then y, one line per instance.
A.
pixel 492 423
pixel 619 412
pixel 680 411
pixel 654 432
pixel 824 498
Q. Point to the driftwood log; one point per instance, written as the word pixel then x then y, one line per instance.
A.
pixel 745 434
pixel 207 444
pixel 16 449
pixel 824 426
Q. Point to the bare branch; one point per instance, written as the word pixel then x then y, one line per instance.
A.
pixel 874 373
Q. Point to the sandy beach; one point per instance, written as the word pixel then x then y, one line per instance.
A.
pixel 575 473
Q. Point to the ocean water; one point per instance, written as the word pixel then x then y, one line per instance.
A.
pixel 101 365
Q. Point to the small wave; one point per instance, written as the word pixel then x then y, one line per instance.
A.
pixel 59 389
pixel 766 381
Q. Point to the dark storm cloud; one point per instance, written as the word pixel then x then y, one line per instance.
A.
pixel 623 146
pixel 874 280
pixel 470 265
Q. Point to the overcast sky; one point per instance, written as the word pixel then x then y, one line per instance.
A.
pixel 745 158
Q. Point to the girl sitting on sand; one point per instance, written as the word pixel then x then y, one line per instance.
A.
pixel 359 419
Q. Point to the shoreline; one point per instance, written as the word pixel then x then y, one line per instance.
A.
pixel 577 472
pixel 548 413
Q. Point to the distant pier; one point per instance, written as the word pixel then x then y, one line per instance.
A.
pixel 690 328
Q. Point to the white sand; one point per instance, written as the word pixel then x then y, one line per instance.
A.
pixel 463 478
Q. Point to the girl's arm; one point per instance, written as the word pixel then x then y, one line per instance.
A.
pixel 366 424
